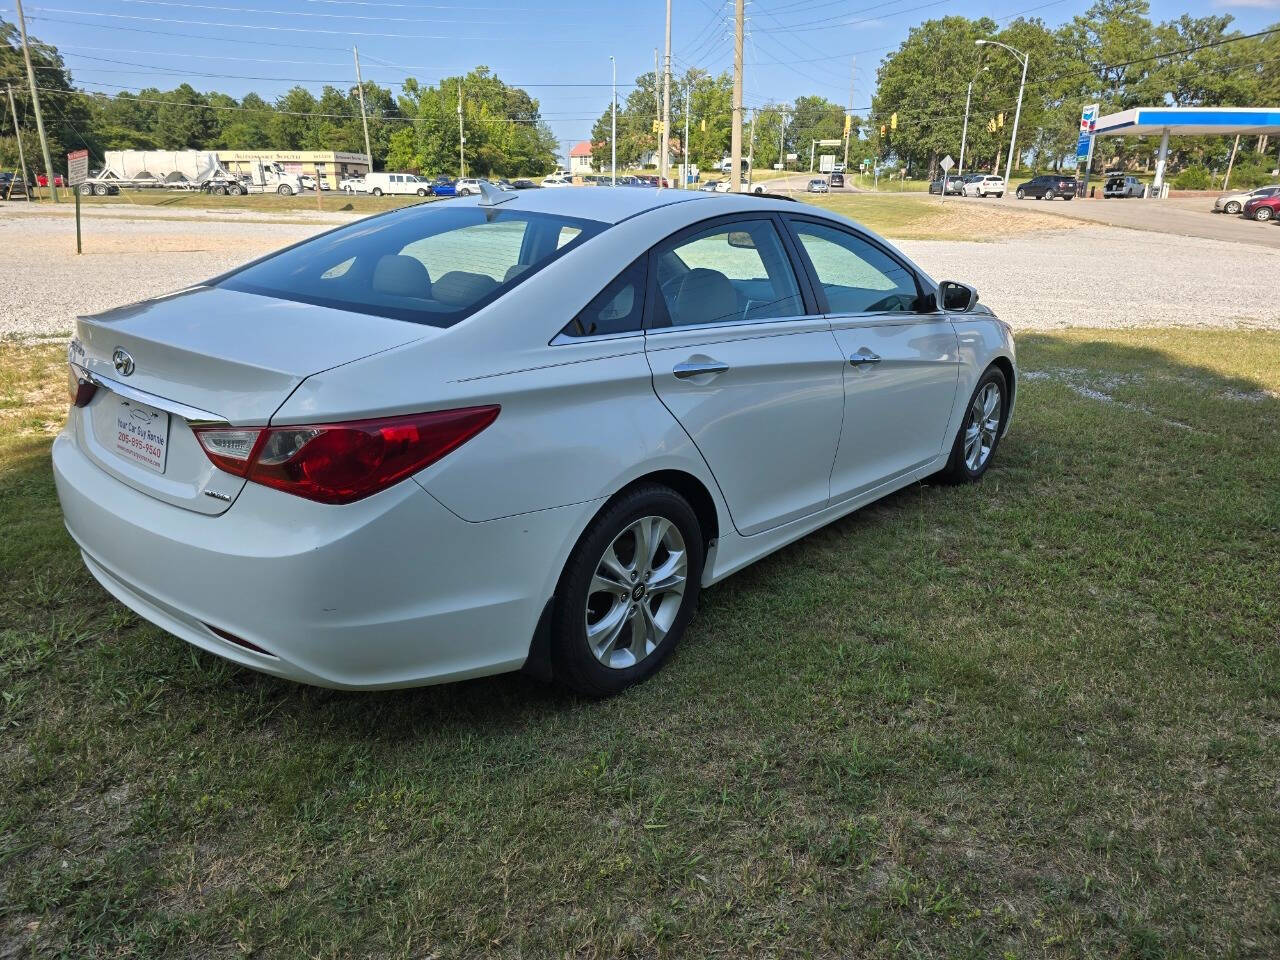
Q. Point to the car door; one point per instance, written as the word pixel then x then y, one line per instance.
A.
pixel 901 356
pixel 745 364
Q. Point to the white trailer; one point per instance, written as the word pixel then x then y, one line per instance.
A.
pixel 185 170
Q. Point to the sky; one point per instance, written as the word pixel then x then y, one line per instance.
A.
pixel 559 52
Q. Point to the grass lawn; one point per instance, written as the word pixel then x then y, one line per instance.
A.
pixel 1037 717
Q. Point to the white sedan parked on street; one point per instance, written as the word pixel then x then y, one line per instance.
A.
pixel 518 430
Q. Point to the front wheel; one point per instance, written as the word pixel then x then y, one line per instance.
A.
pixel 1232 207
pixel 1022 194
pixel 979 434
pixel 421 192
pixel 628 591
pixel 1050 195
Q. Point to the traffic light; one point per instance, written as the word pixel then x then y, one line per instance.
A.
pixel 848 122
pixel 991 125
pixel 882 130
pixel 1000 120
pixel 657 127
pixel 893 122
pixel 704 125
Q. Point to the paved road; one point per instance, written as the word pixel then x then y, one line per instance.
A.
pixel 1182 217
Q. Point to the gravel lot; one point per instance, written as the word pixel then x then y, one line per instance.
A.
pixel 1095 276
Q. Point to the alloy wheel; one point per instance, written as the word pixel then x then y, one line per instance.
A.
pixel 1262 213
pixel 982 426
pixel 636 592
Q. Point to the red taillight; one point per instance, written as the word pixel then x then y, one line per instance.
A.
pixel 342 462
pixel 79 389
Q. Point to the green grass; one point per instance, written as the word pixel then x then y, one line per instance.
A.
pixel 1036 717
pixel 331 201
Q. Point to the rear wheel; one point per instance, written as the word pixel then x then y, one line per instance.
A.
pixel 628 591
pixel 422 192
pixel 377 191
pixel 285 190
pixel 979 433
pixel 1262 214
pixel 86 190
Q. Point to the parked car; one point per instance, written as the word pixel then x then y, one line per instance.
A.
pixel 43 180
pixel 1262 208
pixel 712 186
pixel 558 180
pixel 953 185
pixel 351 185
pixel 11 183
pixel 450 476
pixel 818 185
pixel 1122 186
pixel 984 185
pixel 1048 186
pixel 835 180
pixel 396 184
pixel 1234 202
pixel 837 168
pixel 524 184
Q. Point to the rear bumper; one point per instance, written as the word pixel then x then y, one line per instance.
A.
pixel 391 591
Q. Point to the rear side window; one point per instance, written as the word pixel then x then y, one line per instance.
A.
pixel 618 308
pixel 432 265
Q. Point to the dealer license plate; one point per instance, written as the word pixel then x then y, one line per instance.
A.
pixel 142 434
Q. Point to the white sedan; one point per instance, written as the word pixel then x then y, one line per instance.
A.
pixel 518 430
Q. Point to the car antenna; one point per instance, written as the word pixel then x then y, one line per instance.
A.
pixel 491 196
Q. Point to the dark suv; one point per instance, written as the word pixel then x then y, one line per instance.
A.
pixel 1048 186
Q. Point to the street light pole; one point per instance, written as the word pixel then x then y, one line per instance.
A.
pixel 1013 138
pixel 964 133
pixel 613 128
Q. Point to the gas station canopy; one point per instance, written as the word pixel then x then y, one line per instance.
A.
pixel 1186 122
pixel 1189 121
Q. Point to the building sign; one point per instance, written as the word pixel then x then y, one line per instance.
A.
pixel 77 167
pixel 1088 122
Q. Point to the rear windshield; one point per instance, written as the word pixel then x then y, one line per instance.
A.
pixel 435 264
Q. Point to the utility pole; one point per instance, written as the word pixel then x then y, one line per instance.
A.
pixel 657 95
pixel 22 158
pixel 782 139
pixel 848 124
pixel 613 127
pixel 462 139
pixel 735 129
pixel 364 119
pixel 35 104
pixel 751 145
pixel 684 172
pixel 663 159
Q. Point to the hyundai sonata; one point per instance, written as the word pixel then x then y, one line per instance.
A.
pixel 515 430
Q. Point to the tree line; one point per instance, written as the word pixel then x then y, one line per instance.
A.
pixel 416 130
pixel 1112 54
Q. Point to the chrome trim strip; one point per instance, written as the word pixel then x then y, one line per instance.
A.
pixel 193 415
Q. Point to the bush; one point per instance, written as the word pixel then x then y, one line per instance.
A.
pixel 1192 178
pixel 1251 172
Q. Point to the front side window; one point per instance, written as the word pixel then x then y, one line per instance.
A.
pixel 728 273
pixel 431 265
pixel 855 275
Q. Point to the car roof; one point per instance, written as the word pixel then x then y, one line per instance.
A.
pixel 604 204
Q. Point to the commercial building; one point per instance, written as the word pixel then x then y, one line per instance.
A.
pixel 328 165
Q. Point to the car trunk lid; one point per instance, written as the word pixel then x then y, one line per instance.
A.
pixel 204 354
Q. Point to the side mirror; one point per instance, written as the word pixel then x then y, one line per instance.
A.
pixel 957 297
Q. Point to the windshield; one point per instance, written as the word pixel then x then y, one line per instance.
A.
pixel 426 264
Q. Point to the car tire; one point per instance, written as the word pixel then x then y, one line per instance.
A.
pixel 284 190
pixel 593 631
pixel 1262 214
pixel 100 190
pixel 1050 195
pixel 1232 207
pixel 999 195
pixel 86 190
pixel 962 466
pixel 1021 194
pixel 376 191
pixel 421 192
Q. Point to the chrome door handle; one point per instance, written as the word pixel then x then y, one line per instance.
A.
pixel 858 359
pixel 683 371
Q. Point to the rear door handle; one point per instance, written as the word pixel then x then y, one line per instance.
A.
pixel 696 368
pixel 858 359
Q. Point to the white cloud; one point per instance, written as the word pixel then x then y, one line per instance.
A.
pixel 1255 4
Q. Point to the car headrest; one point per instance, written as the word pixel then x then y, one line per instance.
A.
pixel 457 288
pixel 398 275
pixel 705 296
